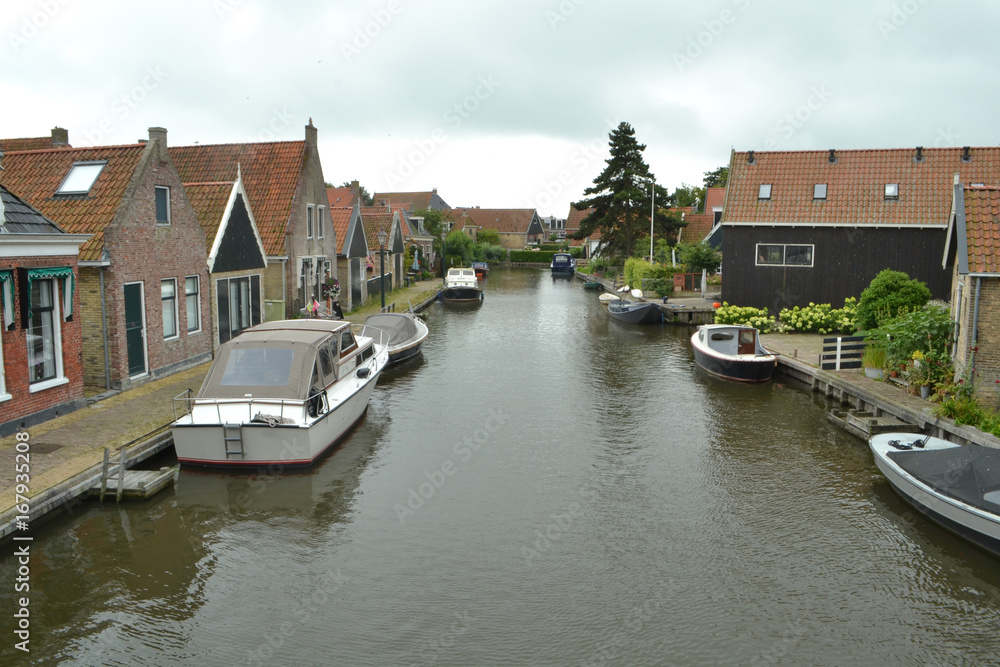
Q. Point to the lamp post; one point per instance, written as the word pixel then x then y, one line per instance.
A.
pixel 652 210
pixel 381 257
pixel 443 272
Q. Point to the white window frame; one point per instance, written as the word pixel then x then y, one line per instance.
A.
pixel 319 221
pixel 61 190
pixel 157 189
pixel 816 191
pixel 764 192
pixel 310 217
pixel 177 324
pixel 197 303
pixel 892 191
pixel 784 255
pixel 59 379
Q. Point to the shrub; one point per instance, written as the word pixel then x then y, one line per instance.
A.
pixel 698 256
pixel 821 318
pixel 746 316
pixel 488 252
pixel 640 274
pixel 927 330
pixel 890 294
pixel 599 264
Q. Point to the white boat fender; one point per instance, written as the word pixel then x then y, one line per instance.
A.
pixel 364 372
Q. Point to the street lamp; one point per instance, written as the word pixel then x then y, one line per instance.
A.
pixel 443 272
pixel 652 210
pixel 381 256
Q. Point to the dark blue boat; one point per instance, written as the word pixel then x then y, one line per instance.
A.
pixel 562 264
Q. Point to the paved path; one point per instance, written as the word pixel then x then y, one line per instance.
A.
pixel 68 445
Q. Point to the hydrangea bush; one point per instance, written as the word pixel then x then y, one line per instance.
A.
pixel 745 316
pixel 821 318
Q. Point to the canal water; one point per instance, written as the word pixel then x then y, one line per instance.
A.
pixel 544 486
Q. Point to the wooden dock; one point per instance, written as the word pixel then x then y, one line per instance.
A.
pixel 130 484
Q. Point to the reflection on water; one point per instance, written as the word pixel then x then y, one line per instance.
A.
pixel 542 486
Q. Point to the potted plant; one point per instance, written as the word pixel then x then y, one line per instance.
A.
pixel 873 359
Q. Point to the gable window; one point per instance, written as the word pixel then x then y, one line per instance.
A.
pixel 892 190
pixel 168 296
pixel 81 178
pixel 780 254
pixel 319 221
pixel 765 191
pixel 44 336
pixel 162 205
pixel 310 210
pixel 192 299
pixel 819 191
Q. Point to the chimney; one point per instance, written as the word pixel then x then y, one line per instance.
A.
pixel 920 154
pixel 355 191
pixel 158 137
pixel 965 154
pixel 60 137
pixel 833 156
pixel 750 159
pixel 311 136
pixel 434 191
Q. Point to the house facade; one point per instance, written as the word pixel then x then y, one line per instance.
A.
pixel 41 367
pixel 412 201
pixel 817 226
pixel 973 253
pixel 518 227
pixel 285 189
pixel 146 246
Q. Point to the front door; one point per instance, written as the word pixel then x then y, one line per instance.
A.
pixel 748 342
pixel 135 329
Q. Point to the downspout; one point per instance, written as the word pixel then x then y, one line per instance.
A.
pixel 958 319
pixel 975 329
pixel 104 331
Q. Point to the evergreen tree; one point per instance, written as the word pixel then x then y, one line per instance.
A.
pixel 717 178
pixel 620 198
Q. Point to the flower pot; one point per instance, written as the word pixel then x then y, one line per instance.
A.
pixel 894 374
pixel 925 391
pixel 873 373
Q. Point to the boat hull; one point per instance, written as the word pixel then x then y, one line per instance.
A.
pixel 971 523
pixel 646 313
pixel 563 271
pixel 459 294
pixel 741 368
pixel 403 353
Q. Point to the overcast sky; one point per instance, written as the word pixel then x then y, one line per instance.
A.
pixel 506 104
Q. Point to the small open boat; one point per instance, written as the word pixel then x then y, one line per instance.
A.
pixel 636 312
pixel 482 269
pixel 733 352
pixel 280 394
pixel 406 333
pixel 562 264
pixel 957 486
pixel 593 284
pixel 460 284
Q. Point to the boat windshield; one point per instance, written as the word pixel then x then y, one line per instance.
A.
pixel 258 367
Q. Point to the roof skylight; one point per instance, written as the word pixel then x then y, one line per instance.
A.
pixel 81 178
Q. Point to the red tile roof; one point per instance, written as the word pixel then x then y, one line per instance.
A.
pixel 714 197
pixel 26 144
pixel 504 220
pixel 340 196
pixel 411 201
pixel 341 217
pixel 404 220
pixel 209 201
pixel 36 175
pixel 698 226
pixel 982 225
pixel 374 218
pixel 855 185
pixel 270 170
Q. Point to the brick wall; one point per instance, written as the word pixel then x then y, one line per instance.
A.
pixel 23 402
pixel 92 328
pixel 143 251
pixel 987 342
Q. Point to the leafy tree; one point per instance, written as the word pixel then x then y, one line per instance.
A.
pixel 698 256
pixel 458 245
pixel 490 236
pixel 620 196
pixel 689 195
pixel 366 198
pixel 434 222
pixel 889 295
pixel 717 178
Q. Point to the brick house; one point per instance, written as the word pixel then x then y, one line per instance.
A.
pixel 58 139
pixel 377 219
pixel 352 255
pixel 283 181
pixel 412 201
pixel 817 226
pixel 518 227
pixel 236 257
pixel 573 220
pixel 973 252
pixel 701 226
pixel 146 248
pixel 41 372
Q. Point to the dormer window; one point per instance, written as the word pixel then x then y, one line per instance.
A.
pixel 892 190
pixel 81 178
pixel 765 191
pixel 819 191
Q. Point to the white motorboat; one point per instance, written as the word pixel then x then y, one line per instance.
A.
pixel 733 352
pixel 958 486
pixel 280 394
pixel 407 333
pixel 460 284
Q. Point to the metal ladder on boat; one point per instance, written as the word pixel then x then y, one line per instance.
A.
pixel 232 435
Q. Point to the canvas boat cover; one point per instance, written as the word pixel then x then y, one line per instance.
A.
pixel 399 327
pixel 264 363
pixel 969 473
